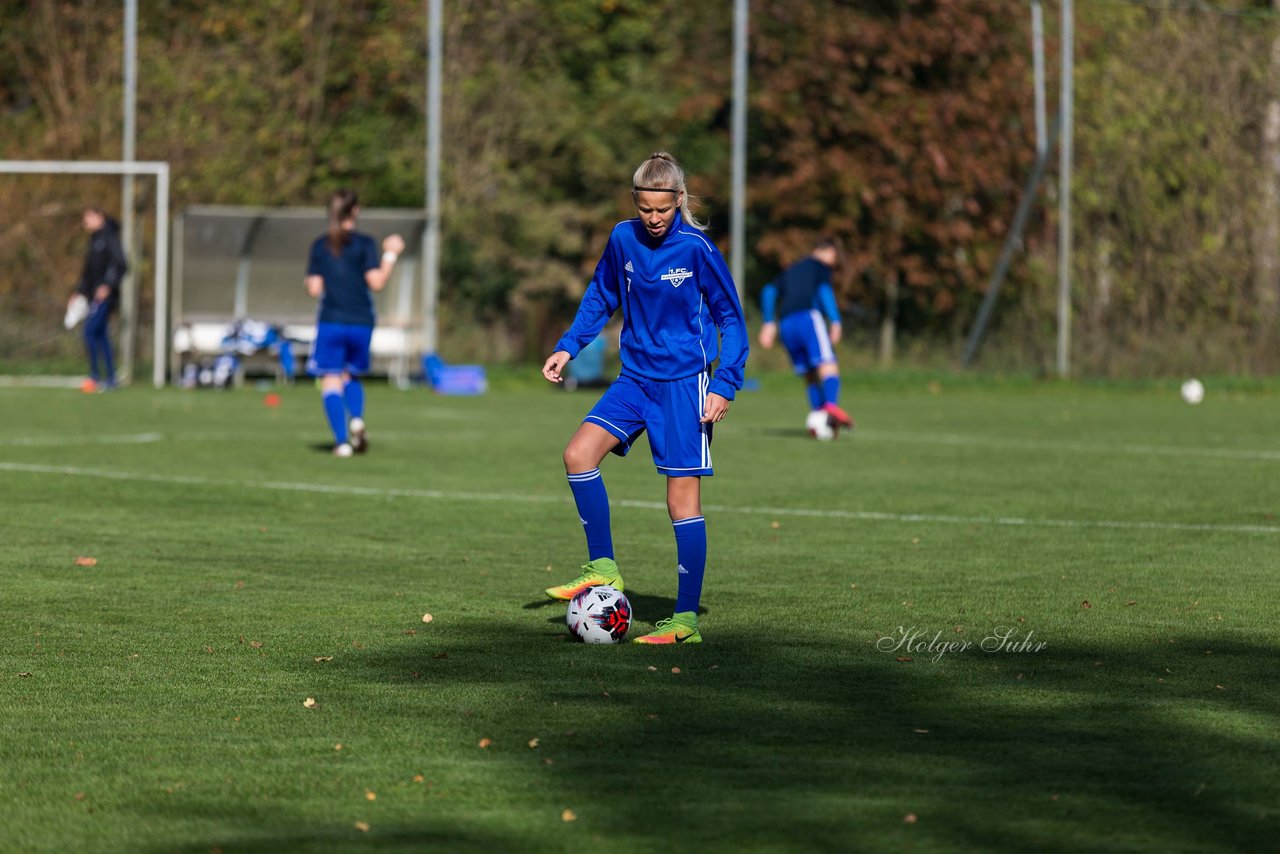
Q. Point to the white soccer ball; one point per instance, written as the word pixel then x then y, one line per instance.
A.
pixel 819 426
pixel 599 615
pixel 1193 391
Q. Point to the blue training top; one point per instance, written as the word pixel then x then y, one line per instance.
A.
pixel 346 293
pixel 804 286
pixel 674 294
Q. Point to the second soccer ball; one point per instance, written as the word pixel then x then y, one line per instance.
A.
pixel 819 426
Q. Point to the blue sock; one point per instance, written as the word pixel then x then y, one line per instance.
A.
pixel 337 415
pixel 593 510
pixel 815 396
pixel 691 554
pixel 831 389
pixel 353 394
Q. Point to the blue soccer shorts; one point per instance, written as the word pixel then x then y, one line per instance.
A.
pixel 804 334
pixel 670 411
pixel 340 347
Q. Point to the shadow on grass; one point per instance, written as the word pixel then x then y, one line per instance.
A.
pixel 794 743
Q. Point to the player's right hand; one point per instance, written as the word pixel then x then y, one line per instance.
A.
pixel 768 334
pixel 393 243
pixel 554 365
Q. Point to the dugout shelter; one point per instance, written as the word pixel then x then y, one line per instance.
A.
pixel 246 263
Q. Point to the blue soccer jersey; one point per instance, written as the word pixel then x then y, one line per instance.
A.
pixel 346 296
pixel 675 293
pixel 803 286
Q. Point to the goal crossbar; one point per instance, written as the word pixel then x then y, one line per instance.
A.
pixel 160 170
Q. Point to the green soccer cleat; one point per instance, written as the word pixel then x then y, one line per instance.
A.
pixel 678 628
pixel 600 571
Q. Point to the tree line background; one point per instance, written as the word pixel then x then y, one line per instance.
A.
pixel 905 127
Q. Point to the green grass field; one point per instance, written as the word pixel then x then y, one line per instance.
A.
pixel 155 700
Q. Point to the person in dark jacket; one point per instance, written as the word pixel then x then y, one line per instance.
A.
pixel 104 269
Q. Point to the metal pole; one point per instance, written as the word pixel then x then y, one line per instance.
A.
pixel 129 285
pixel 1011 242
pixel 738 191
pixel 431 228
pixel 1064 196
pixel 160 346
pixel 1037 58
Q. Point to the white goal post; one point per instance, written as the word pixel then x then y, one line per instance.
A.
pixel 160 170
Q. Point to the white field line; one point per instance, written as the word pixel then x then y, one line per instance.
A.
pixel 63 441
pixel 437 494
pixel 962 440
pixel 941 439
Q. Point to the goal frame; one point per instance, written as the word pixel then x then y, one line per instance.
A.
pixel 160 171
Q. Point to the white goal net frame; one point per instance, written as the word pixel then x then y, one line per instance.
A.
pixel 160 171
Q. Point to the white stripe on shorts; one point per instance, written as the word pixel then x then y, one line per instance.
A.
pixel 824 340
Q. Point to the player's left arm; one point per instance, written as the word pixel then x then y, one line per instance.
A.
pixel 726 311
pixel 827 303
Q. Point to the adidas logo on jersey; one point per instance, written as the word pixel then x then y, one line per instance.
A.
pixel 676 277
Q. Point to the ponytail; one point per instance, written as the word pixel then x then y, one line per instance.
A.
pixel 342 205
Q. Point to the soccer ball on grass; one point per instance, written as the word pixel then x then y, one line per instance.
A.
pixel 599 614
pixel 820 426
pixel 1193 391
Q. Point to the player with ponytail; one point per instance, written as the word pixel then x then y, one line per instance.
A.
pixel 680 310
pixel 344 267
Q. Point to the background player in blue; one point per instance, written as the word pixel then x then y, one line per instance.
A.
pixel 676 294
pixel 801 296
pixel 343 268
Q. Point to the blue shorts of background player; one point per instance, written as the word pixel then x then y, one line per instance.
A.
pixel 340 348
pixel 670 411
pixel 804 334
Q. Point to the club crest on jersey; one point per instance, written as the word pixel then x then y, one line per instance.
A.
pixel 676 277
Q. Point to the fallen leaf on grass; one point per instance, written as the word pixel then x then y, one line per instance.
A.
pixel 652 669
pixel 775 524
pixel 675 670
pixel 568 815
pixel 909 818
pixel 902 659
pixel 362 826
pixel 426 618
pixel 548 761
pixel 920 730
pixel 24 674
pixel 533 744
pixel 311 703
pixel 256 644
pixel 409 632
pixel 1085 604
pixel 320 659
pixel 337 747
pixel 86 561
pixel 439 655
pixel 79 796
pixel 418 778
pixel 485 742
pixel 1131 602
pixel 370 795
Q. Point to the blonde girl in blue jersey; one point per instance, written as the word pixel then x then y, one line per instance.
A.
pixel 680 311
